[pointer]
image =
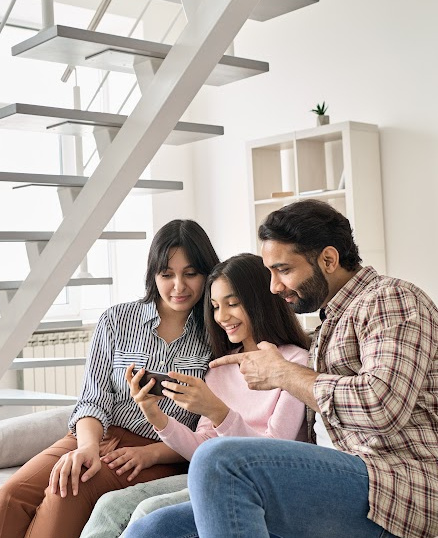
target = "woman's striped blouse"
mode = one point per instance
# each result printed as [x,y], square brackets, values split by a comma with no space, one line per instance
[127,333]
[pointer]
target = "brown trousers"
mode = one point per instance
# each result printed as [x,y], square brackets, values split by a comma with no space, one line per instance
[28,509]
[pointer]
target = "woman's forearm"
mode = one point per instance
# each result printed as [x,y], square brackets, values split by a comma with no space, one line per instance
[89,432]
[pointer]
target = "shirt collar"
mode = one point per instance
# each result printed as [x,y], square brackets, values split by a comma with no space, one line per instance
[342,300]
[150,313]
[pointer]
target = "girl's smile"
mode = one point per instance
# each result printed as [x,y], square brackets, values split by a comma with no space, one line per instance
[229,313]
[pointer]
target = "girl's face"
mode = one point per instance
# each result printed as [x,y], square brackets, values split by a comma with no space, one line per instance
[180,286]
[230,315]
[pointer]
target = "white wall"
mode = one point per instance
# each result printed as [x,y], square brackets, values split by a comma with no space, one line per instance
[373,61]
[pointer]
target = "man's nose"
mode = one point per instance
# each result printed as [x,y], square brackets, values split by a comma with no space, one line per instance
[276,285]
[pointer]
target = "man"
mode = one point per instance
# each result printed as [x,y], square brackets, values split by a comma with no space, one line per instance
[372,386]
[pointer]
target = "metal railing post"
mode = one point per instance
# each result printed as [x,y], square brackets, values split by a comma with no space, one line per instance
[6,15]
[100,12]
[48,17]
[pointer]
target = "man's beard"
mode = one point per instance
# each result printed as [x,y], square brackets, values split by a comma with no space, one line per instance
[312,293]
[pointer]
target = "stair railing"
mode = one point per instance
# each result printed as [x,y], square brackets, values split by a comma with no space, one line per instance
[47,13]
[7,14]
[130,92]
[184,70]
[100,12]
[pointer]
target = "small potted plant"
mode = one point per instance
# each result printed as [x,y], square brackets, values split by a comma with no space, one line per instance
[320,111]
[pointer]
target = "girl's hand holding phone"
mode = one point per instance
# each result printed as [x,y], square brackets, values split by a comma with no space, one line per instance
[195,396]
[147,402]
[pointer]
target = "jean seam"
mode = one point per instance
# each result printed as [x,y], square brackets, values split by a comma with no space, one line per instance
[299,465]
[233,514]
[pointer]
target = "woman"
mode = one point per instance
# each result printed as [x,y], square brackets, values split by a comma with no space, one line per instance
[110,444]
[240,312]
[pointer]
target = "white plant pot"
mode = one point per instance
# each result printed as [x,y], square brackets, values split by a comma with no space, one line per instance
[322,120]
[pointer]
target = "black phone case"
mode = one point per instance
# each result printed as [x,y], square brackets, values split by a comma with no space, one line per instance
[157,389]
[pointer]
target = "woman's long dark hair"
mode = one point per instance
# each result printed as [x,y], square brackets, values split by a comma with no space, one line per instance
[190,236]
[272,319]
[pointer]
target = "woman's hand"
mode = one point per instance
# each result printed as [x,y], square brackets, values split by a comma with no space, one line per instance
[89,432]
[195,396]
[131,458]
[70,465]
[148,403]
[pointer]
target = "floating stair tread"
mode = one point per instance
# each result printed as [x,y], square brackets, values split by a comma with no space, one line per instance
[20,236]
[269,9]
[46,362]
[28,397]
[75,46]
[27,117]
[104,281]
[149,186]
[61,325]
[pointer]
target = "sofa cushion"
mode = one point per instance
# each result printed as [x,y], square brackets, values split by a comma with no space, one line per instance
[23,437]
[5,474]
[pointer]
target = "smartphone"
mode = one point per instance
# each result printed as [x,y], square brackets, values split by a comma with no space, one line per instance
[157,389]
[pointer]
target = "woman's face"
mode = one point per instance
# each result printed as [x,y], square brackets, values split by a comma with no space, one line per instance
[230,315]
[180,286]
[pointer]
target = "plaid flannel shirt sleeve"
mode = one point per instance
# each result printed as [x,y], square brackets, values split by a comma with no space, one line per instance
[393,331]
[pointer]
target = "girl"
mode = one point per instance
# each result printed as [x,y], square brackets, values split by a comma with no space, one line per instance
[111,445]
[240,311]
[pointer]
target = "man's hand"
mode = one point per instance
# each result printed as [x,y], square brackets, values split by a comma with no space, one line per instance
[267,369]
[261,369]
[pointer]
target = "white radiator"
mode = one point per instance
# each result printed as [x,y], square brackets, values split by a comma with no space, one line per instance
[56,379]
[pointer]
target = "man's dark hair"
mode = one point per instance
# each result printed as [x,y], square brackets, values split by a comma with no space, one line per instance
[312,225]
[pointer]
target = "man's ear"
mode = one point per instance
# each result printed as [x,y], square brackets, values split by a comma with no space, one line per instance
[329,260]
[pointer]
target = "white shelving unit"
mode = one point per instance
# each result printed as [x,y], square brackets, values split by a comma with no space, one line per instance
[338,163]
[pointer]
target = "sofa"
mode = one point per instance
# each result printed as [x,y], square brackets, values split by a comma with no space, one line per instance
[23,437]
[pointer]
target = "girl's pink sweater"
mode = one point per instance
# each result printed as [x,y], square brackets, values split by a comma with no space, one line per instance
[253,413]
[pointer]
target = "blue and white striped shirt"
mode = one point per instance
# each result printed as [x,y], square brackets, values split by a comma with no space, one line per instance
[127,333]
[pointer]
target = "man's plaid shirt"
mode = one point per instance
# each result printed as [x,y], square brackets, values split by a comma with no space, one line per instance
[378,395]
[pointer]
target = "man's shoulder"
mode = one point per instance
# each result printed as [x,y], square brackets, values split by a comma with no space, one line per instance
[385,293]
[387,285]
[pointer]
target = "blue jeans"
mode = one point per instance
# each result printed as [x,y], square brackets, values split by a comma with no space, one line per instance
[260,488]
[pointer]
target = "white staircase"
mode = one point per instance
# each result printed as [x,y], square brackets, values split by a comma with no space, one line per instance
[74,46]
[149,186]
[169,77]
[67,121]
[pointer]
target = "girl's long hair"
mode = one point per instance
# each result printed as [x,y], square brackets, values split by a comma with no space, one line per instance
[272,319]
[190,236]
